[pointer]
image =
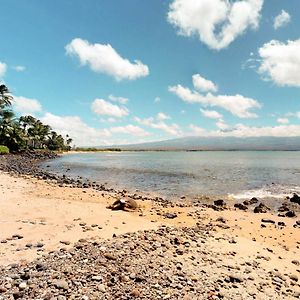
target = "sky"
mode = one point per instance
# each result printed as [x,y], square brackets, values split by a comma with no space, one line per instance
[120,72]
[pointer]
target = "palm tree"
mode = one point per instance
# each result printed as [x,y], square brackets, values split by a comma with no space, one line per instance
[5,97]
[10,133]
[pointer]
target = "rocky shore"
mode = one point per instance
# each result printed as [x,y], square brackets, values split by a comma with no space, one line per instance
[72,247]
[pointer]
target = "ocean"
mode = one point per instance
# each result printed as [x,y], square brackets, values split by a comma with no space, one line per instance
[172,174]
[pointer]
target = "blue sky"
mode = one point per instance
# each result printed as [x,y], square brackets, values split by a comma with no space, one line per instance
[113,72]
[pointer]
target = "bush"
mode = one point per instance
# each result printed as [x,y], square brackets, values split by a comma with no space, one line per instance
[4,150]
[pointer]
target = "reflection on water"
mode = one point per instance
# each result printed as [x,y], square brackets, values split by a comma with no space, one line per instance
[172,174]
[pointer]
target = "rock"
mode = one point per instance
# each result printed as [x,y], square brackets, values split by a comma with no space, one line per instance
[221,219]
[97,278]
[253,200]
[135,293]
[109,256]
[294,277]
[220,202]
[240,206]
[170,215]
[268,221]
[39,245]
[295,199]
[235,279]
[23,285]
[101,288]
[17,236]
[61,284]
[290,214]
[65,242]
[296,262]
[261,208]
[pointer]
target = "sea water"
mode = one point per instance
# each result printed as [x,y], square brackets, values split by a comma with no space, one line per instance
[171,174]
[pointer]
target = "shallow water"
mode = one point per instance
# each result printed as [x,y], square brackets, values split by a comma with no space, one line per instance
[241,174]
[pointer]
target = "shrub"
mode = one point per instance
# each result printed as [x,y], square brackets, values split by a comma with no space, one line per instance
[4,150]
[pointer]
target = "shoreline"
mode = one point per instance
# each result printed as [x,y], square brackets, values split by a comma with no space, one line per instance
[44,217]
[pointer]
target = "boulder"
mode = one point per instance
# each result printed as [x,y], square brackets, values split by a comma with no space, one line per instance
[220,202]
[295,199]
[240,206]
[261,208]
[290,214]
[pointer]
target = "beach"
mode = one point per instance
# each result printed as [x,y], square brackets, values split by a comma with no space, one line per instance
[161,250]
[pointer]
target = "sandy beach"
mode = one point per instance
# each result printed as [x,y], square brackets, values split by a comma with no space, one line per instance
[38,217]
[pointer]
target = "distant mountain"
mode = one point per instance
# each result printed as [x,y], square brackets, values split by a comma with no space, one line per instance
[220,143]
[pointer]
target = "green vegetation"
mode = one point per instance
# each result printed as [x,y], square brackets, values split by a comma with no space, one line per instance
[3,150]
[26,132]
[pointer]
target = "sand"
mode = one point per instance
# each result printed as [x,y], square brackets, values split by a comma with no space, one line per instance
[46,213]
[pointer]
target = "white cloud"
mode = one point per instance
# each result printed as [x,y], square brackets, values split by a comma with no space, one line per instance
[196,130]
[280,62]
[105,59]
[172,129]
[19,68]
[79,131]
[295,114]
[3,68]
[217,23]
[212,114]
[222,125]
[102,107]
[283,120]
[120,100]
[238,105]
[156,99]
[282,19]
[241,130]
[130,129]
[162,117]
[202,84]
[26,106]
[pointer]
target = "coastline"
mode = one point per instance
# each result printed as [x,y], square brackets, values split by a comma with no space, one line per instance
[45,216]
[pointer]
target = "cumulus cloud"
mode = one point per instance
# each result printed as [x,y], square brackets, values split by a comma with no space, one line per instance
[172,129]
[130,129]
[102,107]
[196,130]
[281,20]
[79,131]
[283,120]
[212,114]
[120,100]
[3,68]
[222,125]
[203,85]
[162,116]
[280,62]
[26,106]
[19,68]
[217,23]
[105,59]
[241,130]
[238,105]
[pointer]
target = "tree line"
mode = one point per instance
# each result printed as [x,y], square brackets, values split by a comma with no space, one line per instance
[26,132]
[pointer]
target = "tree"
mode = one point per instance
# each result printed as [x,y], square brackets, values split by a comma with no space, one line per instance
[10,132]
[5,96]
[27,131]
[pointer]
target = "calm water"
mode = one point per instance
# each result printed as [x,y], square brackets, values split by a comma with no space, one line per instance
[172,174]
